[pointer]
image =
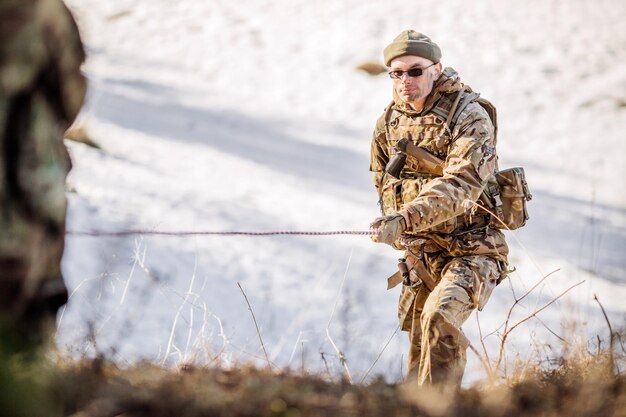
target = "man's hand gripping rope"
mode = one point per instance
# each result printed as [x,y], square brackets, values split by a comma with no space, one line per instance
[388,229]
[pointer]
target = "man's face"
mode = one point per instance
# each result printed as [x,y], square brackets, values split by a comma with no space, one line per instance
[414,89]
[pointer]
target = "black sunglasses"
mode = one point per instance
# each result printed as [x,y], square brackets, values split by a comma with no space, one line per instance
[413,72]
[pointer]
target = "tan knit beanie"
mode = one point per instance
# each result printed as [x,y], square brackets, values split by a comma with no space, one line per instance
[410,42]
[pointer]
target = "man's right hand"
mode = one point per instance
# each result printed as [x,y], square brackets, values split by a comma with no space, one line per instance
[388,229]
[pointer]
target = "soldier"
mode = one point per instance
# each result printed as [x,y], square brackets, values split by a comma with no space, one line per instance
[41,92]
[433,209]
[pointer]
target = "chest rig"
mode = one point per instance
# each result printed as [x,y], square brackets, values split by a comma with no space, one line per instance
[432,133]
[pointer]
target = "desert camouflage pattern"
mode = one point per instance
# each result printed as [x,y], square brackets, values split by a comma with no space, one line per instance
[41,92]
[512,192]
[388,229]
[437,352]
[456,257]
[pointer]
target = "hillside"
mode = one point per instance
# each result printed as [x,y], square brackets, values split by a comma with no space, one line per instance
[253,116]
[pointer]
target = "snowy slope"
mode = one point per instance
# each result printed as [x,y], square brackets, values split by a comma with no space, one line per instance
[251,116]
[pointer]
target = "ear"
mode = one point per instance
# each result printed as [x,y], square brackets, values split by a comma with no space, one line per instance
[438,69]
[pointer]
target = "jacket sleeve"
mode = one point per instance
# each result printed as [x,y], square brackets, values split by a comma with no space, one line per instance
[470,162]
[378,152]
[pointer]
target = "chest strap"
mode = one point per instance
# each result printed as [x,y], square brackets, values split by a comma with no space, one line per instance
[426,161]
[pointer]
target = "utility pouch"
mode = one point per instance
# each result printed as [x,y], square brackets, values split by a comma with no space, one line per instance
[419,272]
[508,196]
[403,275]
[412,271]
[404,271]
[398,160]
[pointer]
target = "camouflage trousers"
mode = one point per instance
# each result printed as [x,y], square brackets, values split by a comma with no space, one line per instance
[433,316]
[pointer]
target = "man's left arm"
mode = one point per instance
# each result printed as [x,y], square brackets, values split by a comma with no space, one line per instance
[470,162]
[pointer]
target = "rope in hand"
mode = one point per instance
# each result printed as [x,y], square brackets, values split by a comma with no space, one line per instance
[122,233]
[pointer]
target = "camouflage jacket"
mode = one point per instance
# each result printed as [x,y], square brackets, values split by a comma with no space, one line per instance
[41,92]
[444,210]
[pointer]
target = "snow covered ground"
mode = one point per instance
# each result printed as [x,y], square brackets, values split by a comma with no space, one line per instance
[252,116]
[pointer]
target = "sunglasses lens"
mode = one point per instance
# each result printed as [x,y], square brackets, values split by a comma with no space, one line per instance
[413,72]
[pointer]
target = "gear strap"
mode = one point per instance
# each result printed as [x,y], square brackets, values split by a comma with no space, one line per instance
[446,108]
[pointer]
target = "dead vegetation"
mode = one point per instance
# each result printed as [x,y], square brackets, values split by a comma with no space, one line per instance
[582,385]
[584,388]
[584,379]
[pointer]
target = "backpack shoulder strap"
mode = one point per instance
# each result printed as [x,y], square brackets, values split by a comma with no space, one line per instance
[484,103]
[460,102]
[450,109]
[448,105]
[445,105]
[388,113]
[491,111]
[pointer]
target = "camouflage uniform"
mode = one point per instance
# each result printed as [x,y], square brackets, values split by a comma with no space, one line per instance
[41,92]
[455,258]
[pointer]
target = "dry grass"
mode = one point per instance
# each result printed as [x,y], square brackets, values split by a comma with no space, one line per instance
[81,135]
[575,382]
[585,386]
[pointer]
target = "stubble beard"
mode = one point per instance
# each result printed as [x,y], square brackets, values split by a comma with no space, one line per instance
[412,98]
[420,94]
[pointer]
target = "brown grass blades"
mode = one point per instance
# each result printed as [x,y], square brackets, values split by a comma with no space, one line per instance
[492,370]
[582,388]
[258,331]
[508,331]
[611,333]
[340,354]
[380,354]
[484,360]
